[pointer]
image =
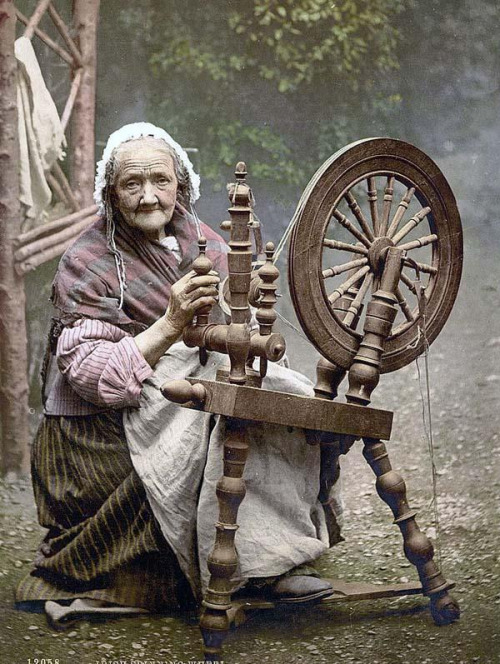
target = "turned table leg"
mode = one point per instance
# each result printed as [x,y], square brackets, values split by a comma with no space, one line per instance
[417,546]
[223,560]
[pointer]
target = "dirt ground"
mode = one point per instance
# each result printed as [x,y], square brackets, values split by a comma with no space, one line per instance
[465,386]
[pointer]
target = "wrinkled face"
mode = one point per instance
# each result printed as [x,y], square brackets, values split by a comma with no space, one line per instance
[145,185]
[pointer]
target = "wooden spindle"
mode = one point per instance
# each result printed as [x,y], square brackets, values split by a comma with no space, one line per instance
[420,242]
[345,246]
[386,207]
[266,315]
[345,267]
[413,223]
[202,266]
[343,288]
[268,273]
[357,212]
[344,221]
[372,200]
[402,207]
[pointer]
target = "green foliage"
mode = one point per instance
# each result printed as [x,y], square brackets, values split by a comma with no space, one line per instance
[279,83]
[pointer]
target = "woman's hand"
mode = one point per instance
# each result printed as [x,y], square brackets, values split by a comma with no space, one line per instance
[188,295]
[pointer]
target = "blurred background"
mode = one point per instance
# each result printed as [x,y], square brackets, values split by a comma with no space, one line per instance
[283,85]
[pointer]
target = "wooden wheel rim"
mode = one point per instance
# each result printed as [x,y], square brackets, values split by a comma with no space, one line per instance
[376,156]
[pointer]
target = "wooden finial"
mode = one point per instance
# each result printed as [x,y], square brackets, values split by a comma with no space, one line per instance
[240,172]
[266,315]
[268,274]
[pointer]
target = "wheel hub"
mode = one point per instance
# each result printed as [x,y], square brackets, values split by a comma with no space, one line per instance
[376,254]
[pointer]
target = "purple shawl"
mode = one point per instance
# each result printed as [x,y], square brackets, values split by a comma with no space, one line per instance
[86,284]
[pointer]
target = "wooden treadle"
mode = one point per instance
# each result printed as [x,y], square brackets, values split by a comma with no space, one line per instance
[343,592]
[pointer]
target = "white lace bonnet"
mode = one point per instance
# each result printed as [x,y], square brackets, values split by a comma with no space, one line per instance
[138,130]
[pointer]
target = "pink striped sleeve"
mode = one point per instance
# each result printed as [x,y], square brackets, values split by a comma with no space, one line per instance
[102,363]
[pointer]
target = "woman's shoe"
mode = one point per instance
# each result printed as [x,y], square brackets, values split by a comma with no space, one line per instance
[299,589]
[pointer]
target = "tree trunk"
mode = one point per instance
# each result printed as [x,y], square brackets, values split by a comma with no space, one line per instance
[85,19]
[13,350]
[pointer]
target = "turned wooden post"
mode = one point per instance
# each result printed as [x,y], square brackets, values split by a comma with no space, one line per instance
[328,375]
[418,548]
[266,315]
[240,268]
[223,560]
[364,375]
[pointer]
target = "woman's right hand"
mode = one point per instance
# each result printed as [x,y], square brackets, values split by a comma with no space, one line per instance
[188,295]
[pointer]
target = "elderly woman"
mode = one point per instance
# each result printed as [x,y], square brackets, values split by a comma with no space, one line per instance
[124,293]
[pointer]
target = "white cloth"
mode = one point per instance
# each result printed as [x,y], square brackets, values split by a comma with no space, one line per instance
[178,456]
[41,136]
[170,241]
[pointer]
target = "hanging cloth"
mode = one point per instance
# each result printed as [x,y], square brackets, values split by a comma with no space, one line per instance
[41,135]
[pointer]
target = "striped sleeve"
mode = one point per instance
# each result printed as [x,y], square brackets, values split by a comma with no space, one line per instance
[102,363]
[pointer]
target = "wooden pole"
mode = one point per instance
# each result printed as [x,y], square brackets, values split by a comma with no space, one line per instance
[13,350]
[75,85]
[85,19]
[37,246]
[50,227]
[45,38]
[36,17]
[64,32]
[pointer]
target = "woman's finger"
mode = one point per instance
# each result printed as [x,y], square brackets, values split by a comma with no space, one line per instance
[204,302]
[201,281]
[204,291]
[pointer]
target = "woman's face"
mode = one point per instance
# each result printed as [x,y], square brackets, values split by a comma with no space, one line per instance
[145,185]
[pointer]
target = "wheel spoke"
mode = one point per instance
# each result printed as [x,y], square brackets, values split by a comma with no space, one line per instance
[343,288]
[345,246]
[345,267]
[421,267]
[358,213]
[353,310]
[386,209]
[402,207]
[413,223]
[421,242]
[404,305]
[372,199]
[343,221]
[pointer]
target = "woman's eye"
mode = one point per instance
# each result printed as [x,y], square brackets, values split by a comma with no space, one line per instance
[162,181]
[132,185]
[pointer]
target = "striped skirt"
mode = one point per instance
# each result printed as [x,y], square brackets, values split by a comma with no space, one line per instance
[103,541]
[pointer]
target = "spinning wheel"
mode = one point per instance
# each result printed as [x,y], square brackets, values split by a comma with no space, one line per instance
[372,195]
[374,268]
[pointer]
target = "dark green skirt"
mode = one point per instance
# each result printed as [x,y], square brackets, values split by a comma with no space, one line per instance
[103,541]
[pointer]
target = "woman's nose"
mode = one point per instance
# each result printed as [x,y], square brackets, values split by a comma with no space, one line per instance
[148,194]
